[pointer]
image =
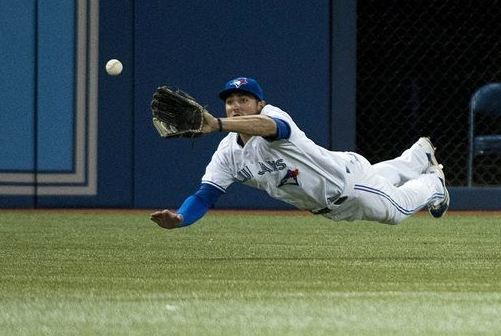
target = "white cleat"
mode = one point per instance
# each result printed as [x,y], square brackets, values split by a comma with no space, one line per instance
[439,209]
[425,143]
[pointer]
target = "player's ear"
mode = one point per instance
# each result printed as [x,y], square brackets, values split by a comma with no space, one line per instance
[260,105]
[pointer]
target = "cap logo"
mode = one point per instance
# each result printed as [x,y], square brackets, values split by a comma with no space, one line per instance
[239,82]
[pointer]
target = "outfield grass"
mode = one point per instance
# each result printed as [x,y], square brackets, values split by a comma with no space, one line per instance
[105,273]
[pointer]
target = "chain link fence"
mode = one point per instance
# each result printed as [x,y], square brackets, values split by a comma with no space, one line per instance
[418,64]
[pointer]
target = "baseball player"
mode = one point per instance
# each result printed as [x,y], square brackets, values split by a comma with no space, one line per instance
[265,149]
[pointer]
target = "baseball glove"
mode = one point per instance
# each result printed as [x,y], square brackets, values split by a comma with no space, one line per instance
[176,113]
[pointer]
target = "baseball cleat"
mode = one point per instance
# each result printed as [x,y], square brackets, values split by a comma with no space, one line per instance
[439,209]
[425,143]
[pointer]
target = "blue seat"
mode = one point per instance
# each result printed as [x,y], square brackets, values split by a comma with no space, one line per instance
[485,106]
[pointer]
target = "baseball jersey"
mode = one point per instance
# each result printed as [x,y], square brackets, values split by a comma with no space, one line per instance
[293,170]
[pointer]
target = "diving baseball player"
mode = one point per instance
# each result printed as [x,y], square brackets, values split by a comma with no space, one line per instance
[265,149]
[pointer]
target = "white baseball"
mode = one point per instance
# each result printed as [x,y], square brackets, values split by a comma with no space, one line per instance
[114,67]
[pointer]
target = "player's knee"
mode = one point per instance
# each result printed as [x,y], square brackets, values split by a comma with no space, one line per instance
[399,219]
[395,220]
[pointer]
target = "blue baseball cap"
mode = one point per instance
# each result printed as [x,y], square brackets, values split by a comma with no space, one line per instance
[243,84]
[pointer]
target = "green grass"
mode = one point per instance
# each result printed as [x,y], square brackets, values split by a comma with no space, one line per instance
[102,273]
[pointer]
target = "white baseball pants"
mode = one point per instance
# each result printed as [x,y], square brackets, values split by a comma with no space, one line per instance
[389,191]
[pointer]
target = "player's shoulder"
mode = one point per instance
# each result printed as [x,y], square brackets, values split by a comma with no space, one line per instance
[276,112]
[227,142]
[271,110]
[225,153]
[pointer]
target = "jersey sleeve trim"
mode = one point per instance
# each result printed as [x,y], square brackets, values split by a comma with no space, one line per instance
[214,185]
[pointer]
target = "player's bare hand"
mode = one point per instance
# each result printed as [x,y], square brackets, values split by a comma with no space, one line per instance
[166,219]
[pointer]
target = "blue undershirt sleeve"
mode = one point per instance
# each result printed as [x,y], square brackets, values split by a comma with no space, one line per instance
[196,206]
[283,130]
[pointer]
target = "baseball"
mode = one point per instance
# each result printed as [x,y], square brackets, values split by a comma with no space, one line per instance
[114,67]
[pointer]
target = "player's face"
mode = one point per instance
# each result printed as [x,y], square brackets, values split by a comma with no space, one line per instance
[241,104]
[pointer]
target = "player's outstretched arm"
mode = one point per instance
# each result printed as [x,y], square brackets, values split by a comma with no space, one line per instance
[257,124]
[192,209]
[167,219]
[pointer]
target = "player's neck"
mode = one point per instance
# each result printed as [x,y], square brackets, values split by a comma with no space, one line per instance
[242,139]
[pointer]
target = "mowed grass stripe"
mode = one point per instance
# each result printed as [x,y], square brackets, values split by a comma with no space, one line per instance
[117,273]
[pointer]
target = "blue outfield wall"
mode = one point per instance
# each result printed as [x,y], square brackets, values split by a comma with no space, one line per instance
[62,144]
[87,137]
[283,44]
[17,88]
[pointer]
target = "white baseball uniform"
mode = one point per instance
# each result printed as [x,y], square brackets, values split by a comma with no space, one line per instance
[338,185]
